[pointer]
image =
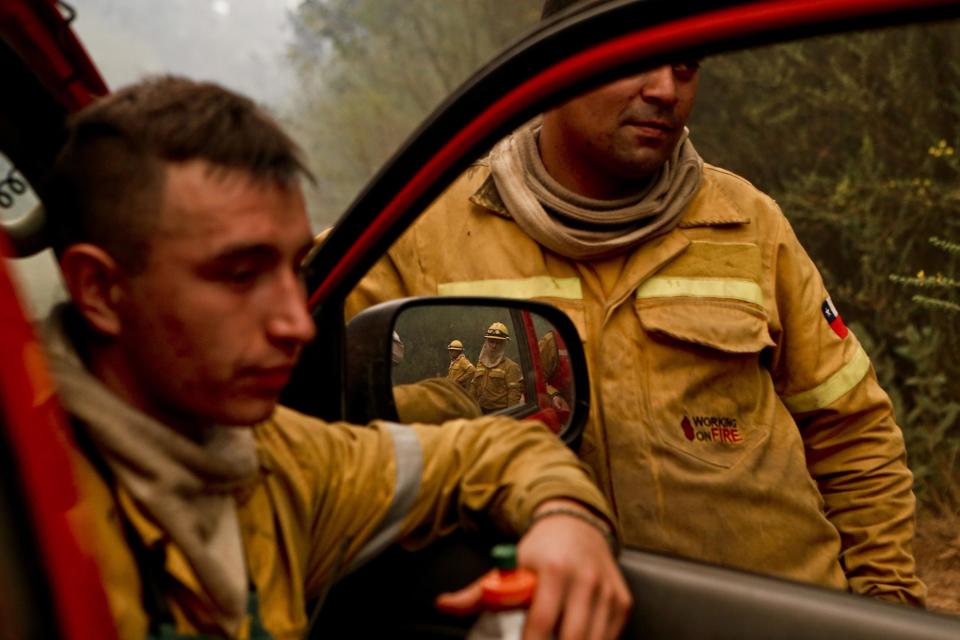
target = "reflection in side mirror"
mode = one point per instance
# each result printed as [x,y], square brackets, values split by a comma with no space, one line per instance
[444,358]
[490,359]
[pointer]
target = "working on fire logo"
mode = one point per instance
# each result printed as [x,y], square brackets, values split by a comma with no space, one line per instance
[711,429]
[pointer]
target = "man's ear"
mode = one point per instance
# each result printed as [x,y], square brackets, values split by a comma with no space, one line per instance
[94,281]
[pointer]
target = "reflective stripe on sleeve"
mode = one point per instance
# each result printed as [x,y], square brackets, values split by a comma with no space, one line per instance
[833,388]
[736,289]
[521,288]
[409,463]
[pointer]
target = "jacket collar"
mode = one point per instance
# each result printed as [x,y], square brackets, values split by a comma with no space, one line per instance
[712,206]
[488,197]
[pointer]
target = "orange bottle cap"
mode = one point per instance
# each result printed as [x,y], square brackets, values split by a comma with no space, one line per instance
[507,587]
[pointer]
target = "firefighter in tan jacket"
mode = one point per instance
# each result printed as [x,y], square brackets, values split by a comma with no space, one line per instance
[323,499]
[734,418]
[208,509]
[461,370]
[498,381]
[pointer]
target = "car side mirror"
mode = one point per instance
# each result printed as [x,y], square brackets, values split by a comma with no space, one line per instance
[434,359]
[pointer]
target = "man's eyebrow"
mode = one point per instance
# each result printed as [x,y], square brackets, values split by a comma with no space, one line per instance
[244,252]
[255,251]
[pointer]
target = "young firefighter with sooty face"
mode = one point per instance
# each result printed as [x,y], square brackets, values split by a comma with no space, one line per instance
[181,229]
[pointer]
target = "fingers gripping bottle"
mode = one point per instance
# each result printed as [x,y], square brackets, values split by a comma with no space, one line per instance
[507,593]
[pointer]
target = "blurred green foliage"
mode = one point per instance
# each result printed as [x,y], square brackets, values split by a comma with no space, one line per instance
[856,136]
[939,283]
[371,70]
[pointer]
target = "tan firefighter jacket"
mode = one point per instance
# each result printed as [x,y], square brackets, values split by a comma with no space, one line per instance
[329,496]
[461,371]
[497,387]
[730,421]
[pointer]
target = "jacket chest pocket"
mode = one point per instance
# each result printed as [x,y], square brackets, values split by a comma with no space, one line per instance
[707,390]
[490,380]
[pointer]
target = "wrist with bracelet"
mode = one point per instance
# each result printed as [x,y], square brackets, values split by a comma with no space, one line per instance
[583,516]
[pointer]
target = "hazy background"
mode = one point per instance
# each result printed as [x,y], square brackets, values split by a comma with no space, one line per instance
[350,78]
[856,136]
[240,43]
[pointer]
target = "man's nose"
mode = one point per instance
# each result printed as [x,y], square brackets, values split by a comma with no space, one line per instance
[290,319]
[660,85]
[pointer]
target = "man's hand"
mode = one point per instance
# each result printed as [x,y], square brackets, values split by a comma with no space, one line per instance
[580,592]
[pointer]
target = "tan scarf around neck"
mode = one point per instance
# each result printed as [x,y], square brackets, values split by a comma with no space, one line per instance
[583,228]
[491,357]
[186,487]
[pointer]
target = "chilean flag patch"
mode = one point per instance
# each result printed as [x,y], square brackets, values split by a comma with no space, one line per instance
[833,318]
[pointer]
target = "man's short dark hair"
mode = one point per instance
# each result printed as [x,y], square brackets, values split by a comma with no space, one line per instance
[107,183]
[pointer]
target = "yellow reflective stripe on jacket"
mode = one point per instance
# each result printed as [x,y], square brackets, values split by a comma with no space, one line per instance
[736,289]
[522,288]
[833,388]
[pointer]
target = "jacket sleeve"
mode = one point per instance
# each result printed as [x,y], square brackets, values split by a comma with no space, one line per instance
[514,385]
[386,280]
[464,375]
[364,488]
[492,471]
[434,401]
[855,450]
[473,388]
[398,274]
[415,262]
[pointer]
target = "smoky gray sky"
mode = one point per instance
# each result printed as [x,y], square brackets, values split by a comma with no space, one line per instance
[238,43]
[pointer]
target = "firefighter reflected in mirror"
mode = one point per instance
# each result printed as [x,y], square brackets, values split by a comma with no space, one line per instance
[555,362]
[498,380]
[461,370]
[431,401]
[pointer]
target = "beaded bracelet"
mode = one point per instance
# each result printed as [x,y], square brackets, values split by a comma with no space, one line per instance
[583,516]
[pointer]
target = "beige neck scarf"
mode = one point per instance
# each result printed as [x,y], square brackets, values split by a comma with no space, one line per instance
[583,228]
[490,357]
[185,486]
